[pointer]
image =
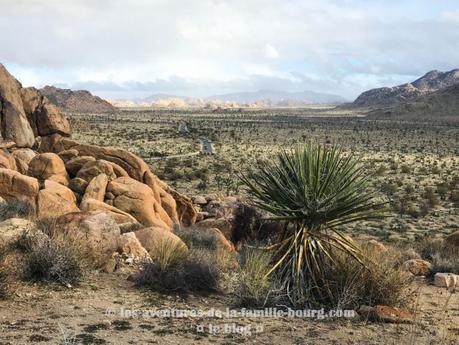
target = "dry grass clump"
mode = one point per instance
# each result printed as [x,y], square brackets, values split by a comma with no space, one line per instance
[4,277]
[174,268]
[253,286]
[379,281]
[16,209]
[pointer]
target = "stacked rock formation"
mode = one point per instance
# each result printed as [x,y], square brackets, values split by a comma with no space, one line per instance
[41,164]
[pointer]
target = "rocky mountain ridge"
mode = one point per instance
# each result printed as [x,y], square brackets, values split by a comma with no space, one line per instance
[388,96]
[80,101]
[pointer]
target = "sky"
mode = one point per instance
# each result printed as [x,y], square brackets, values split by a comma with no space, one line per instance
[123,49]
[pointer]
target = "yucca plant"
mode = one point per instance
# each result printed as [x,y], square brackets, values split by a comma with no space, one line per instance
[314,190]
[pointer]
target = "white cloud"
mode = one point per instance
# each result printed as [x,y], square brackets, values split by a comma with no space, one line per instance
[271,52]
[214,42]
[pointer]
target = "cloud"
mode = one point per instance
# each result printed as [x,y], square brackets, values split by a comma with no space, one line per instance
[344,45]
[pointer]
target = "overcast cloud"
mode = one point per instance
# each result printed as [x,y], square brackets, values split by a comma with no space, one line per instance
[120,48]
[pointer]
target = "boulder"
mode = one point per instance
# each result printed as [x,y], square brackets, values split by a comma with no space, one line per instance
[94,168]
[14,185]
[138,200]
[446,280]
[7,161]
[453,239]
[199,200]
[132,164]
[119,216]
[55,200]
[48,166]
[96,188]
[153,237]
[417,267]
[14,123]
[222,241]
[382,313]
[129,245]
[75,164]
[23,158]
[186,213]
[225,225]
[68,155]
[78,185]
[96,232]
[44,118]
[135,167]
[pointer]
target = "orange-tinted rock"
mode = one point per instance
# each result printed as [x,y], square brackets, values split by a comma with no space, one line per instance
[23,158]
[223,224]
[119,216]
[93,169]
[14,185]
[48,166]
[68,155]
[382,313]
[44,118]
[153,237]
[138,200]
[55,200]
[129,245]
[96,232]
[75,164]
[14,123]
[96,188]
[7,161]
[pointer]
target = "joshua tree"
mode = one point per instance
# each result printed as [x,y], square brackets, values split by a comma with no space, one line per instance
[313,190]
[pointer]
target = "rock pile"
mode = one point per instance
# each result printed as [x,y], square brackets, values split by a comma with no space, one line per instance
[57,176]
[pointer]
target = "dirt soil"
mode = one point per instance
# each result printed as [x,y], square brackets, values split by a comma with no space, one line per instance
[97,312]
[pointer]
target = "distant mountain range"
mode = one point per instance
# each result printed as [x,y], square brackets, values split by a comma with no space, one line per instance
[261,98]
[80,101]
[279,98]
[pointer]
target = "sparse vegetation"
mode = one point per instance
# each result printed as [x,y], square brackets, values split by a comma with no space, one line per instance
[16,209]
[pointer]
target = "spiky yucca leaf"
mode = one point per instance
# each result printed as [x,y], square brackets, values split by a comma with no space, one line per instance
[313,189]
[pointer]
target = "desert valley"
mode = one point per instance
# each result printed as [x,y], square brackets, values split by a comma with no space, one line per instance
[265,216]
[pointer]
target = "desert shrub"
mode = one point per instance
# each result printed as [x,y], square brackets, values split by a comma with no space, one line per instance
[246,223]
[378,281]
[16,209]
[430,196]
[199,270]
[4,278]
[405,169]
[253,280]
[197,239]
[315,189]
[444,258]
[52,259]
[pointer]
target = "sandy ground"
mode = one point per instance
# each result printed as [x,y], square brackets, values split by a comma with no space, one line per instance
[97,313]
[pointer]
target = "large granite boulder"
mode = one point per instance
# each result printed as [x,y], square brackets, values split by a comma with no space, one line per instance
[96,232]
[14,123]
[48,166]
[138,200]
[14,185]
